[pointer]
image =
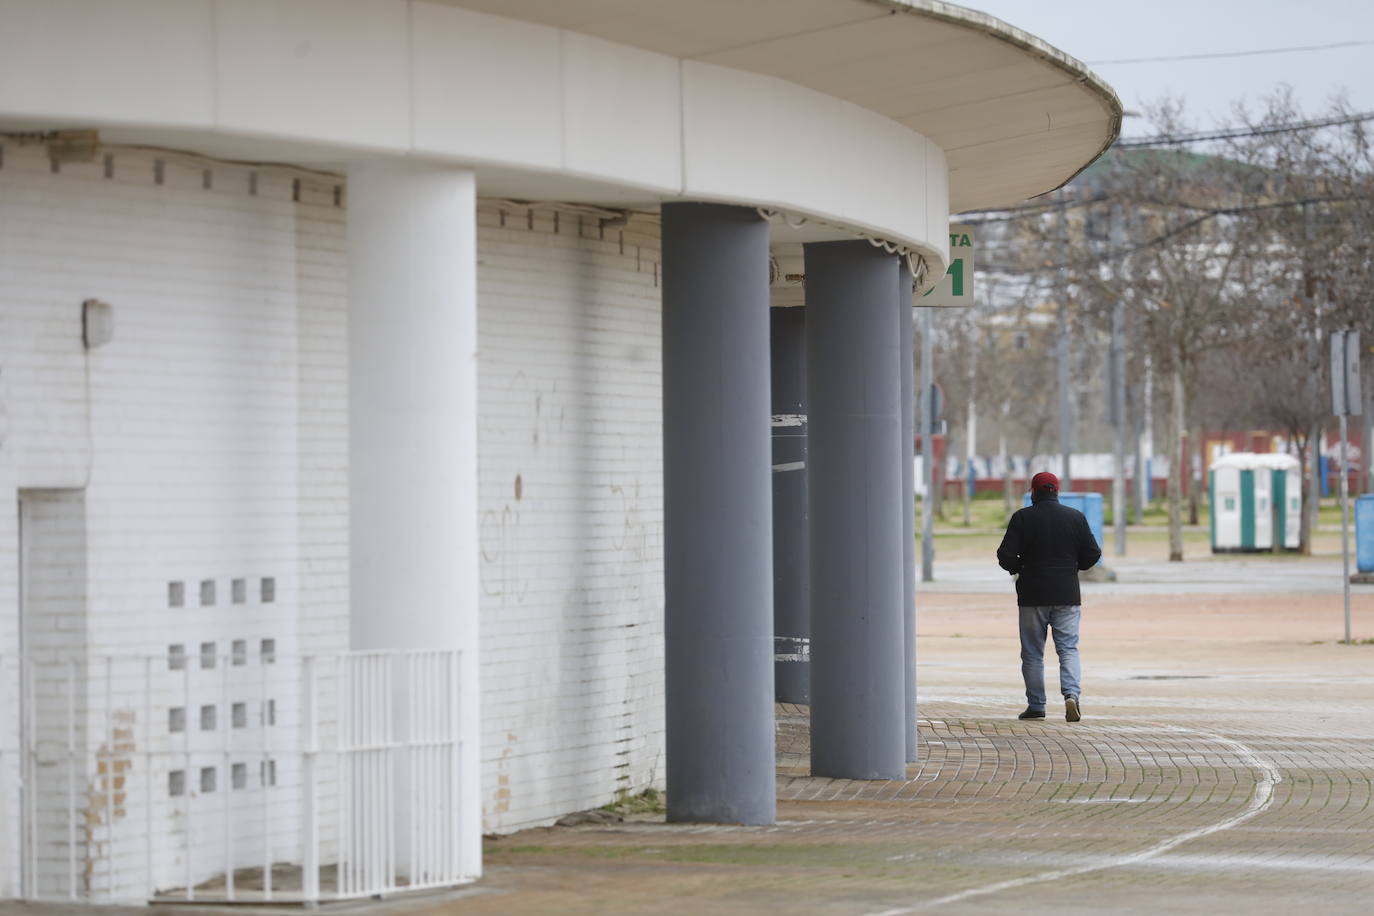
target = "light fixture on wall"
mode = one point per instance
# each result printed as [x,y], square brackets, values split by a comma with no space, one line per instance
[97,323]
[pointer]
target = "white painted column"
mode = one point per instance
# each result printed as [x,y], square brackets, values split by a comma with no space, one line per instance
[412,261]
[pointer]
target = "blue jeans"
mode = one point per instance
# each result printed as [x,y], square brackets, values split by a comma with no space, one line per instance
[1063,620]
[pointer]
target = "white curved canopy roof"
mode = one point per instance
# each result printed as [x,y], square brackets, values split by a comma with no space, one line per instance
[1014,116]
[875,118]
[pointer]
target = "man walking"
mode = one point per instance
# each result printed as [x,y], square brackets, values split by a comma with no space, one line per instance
[1045,546]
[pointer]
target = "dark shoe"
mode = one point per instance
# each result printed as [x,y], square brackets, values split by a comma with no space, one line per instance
[1032,713]
[1071,709]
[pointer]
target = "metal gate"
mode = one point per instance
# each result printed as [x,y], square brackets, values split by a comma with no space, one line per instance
[239,777]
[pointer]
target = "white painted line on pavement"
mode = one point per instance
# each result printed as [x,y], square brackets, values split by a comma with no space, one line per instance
[1260,799]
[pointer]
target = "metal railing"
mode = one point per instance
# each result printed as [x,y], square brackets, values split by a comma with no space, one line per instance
[229,777]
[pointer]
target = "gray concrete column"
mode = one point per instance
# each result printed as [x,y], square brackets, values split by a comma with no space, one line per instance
[717,515]
[791,574]
[855,489]
[905,340]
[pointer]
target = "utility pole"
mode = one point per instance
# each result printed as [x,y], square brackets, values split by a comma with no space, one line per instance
[1065,354]
[1177,460]
[1065,401]
[1345,401]
[1118,396]
[971,447]
[1008,496]
[1137,465]
[1315,439]
[1345,531]
[1144,445]
[927,447]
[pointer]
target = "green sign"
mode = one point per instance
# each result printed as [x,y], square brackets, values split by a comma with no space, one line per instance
[955,289]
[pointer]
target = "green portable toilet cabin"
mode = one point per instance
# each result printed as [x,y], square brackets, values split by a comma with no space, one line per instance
[1253,497]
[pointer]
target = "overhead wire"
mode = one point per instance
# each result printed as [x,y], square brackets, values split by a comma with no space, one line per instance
[1042,205]
[1222,55]
[1241,132]
[1209,214]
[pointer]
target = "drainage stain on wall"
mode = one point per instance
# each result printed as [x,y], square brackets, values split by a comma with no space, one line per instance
[503,794]
[107,794]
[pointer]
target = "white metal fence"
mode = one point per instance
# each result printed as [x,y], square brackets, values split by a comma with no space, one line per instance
[229,777]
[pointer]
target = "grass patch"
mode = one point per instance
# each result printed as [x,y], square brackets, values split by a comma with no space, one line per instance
[650,801]
[988,511]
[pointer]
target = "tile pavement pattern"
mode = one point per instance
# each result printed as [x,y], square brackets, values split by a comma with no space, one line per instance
[999,815]
[1223,766]
[1108,815]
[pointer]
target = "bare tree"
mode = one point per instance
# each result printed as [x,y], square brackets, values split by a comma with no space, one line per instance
[1237,254]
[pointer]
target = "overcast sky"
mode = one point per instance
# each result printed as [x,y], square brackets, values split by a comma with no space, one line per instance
[1113,29]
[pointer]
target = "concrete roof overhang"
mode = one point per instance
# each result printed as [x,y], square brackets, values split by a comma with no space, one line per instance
[1015,116]
[869,118]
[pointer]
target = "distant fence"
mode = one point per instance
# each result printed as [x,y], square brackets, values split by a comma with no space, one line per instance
[1090,471]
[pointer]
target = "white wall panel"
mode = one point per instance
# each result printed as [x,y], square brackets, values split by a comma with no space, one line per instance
[219,423]
[760,137]
[77,59]
[882,169]
[197,422]
[937,197]
[577,115]
[323,70]
[621,113]
[487,85]
[11,804]
[572,515]
[765,139]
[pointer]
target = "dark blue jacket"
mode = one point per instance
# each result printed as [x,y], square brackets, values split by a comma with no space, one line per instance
[1046,544]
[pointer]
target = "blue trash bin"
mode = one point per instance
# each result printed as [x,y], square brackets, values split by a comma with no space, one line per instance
[1364,533]
[1090,504]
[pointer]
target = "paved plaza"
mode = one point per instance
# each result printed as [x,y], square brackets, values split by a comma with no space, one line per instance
[1225,764]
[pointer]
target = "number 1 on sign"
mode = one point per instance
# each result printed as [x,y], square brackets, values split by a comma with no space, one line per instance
[956,276]
[955,288]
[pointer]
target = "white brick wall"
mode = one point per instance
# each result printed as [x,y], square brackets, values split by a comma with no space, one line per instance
[9,679]
[53,561]
[190,434]
[571,475]
[210,438]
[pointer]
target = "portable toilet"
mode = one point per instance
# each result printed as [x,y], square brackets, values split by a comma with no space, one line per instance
[1364,533]
[1255,497]
[1286,494]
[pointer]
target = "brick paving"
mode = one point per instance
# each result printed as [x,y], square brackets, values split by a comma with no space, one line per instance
[1225,764]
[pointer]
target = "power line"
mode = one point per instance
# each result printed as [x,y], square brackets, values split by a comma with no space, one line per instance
[1239,132]
[1206,214]
[1220,55]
